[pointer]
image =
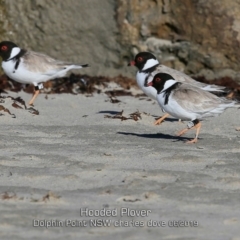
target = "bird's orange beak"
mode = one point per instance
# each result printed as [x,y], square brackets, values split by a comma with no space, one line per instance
[132,63]
[150,84]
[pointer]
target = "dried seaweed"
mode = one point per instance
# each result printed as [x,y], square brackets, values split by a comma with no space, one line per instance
[75,83]
[134,116]
[119,115]
[33,111]
[15,105]
[114,100]
[2,99]
[114,93]
[50,196]
[18,103]
[8,196]
[131,200]
[2,108]
[21,101]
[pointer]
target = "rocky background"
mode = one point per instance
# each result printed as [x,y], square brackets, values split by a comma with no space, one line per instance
[199,37]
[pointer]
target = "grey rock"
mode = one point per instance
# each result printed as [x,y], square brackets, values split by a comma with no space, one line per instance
[192,36]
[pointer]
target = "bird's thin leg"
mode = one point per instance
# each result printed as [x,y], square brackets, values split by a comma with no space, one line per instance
[160,120]
[230,95]
[180,133]
[194,124]
[198,127]
[36,92]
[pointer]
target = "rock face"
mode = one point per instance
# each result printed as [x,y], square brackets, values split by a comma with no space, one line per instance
[199,37]
[78,31]
[196,36]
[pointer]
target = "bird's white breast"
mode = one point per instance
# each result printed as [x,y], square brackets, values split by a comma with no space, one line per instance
[149,91]
[173,107]
[21,74]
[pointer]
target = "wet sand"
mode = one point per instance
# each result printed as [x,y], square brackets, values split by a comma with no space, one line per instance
[70,158]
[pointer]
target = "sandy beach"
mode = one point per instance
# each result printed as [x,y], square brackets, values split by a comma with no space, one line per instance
[146,182]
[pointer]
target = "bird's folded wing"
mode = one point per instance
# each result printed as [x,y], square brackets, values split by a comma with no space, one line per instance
[182,77]
[194,99]
[42,63]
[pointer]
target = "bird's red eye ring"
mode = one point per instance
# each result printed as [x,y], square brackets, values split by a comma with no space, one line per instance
[4,48]
[157,79]
[140,59]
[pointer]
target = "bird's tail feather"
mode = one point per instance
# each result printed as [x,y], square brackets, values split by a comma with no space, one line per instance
[214,88]
[79,66]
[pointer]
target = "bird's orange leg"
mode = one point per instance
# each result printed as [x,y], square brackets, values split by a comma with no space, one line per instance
[34,97]
[180,133]
[160,120]
[230,95]
[198,127]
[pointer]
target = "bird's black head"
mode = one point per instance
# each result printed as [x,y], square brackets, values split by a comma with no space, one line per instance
[159,81]
[142,58]
[6,49]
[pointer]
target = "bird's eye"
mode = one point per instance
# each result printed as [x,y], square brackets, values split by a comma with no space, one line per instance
[157,79]
[4,48]
[140,59]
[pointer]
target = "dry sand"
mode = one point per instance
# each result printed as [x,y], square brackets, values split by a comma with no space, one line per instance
[70,157]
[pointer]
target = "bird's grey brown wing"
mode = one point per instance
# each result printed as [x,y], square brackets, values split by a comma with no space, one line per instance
[194,99]
[177,75]
[38,62]
[184,78]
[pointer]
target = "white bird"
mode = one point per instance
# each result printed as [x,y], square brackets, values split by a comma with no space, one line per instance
[148,66]
[187,102]
[26,66]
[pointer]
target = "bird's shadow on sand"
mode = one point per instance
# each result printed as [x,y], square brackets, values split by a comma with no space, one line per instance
[154,116]
[157,136]
[109,112]
[166,119]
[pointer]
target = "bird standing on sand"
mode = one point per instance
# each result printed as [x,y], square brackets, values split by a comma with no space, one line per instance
[187,102]
[148,66]
[26,66]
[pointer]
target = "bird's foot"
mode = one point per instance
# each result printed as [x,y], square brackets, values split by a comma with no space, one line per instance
[192,141]
[161,119]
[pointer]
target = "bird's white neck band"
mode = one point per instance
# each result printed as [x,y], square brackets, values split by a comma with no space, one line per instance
[168,84]
[150,63]
[15,51]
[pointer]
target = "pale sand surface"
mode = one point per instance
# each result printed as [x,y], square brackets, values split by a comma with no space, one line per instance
[95,162]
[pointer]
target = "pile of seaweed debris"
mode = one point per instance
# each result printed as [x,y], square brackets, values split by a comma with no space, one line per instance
[84,84]
[74,84]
